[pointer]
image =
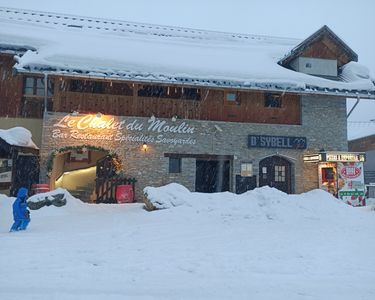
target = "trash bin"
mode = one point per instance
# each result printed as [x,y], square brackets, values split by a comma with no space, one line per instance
[124,193]
[38,188]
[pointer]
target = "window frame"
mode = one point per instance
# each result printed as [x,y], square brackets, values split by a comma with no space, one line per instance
[36,85]
[174,168]
[246,169]
[236,94]
[275,102]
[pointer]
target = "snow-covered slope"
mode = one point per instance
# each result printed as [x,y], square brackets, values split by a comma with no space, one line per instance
[263,244]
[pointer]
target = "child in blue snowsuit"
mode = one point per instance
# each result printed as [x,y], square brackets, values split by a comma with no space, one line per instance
[21,214]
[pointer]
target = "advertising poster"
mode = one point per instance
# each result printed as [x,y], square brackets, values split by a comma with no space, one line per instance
[351,184]
[328,177]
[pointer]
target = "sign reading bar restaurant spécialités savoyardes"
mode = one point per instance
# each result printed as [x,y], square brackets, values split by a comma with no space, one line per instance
[270,141]
[122,130]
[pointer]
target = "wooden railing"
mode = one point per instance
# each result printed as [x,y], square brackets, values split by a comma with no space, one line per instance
[106,188]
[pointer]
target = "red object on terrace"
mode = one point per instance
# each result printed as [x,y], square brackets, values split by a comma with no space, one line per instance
[124,193]
[38,188]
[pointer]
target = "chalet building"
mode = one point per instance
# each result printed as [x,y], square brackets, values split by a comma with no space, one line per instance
[111,102]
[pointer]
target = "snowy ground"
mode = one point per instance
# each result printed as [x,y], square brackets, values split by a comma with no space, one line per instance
[259,245]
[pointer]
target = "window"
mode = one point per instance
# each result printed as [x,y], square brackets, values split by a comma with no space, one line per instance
[85,86]
[34,86]
[190,94]
[174,165]
[232,97]
[101,87]
[246,169]
[280,173]
[272,100]
[169,92]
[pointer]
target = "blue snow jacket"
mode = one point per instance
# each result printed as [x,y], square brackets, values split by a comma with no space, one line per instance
[20,206]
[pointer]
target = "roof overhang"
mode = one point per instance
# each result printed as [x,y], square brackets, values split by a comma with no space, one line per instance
[202,83]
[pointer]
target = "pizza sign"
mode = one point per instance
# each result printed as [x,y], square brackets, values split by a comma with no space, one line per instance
[350,172]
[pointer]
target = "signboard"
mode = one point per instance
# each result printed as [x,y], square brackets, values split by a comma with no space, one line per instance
[351,184]
[343,156]
[313,158]
[5,170]
[283,142]
[104,128]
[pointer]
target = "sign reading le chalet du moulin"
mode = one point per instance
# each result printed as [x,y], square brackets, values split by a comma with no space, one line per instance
[270,141]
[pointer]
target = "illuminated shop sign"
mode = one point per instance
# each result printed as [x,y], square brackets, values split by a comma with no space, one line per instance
[343,156]
[117,129]
[312,158]
[283,142]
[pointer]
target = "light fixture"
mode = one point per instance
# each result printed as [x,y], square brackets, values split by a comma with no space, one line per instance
[74,113]
[174,118]
[144,147]
[152,118]
[99,115]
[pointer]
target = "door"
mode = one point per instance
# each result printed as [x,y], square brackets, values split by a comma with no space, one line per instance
[275,171]
[26,172]
[212,176]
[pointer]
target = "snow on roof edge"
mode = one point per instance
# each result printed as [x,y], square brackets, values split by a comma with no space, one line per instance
[281,86]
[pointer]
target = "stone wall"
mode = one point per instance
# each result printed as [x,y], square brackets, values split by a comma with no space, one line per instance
[323,124]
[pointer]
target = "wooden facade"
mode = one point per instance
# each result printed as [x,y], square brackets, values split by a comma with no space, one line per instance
[10,88]
[212,105]
[130,99]
[328,49]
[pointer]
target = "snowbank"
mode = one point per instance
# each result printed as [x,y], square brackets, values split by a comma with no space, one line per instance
[262,245]
[18,136]
[263,204]
[167,196]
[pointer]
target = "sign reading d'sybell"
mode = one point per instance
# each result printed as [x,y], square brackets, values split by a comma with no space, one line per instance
[270,141]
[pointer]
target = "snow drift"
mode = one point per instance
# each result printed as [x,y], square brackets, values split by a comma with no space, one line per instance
[262,245]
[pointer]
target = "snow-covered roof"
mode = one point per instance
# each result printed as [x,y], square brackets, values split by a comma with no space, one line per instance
[18,136]
[83,46]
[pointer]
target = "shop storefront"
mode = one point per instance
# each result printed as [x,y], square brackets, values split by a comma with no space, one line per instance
[341,174]
[77,149]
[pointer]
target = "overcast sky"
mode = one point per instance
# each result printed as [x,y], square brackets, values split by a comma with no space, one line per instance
[352,21]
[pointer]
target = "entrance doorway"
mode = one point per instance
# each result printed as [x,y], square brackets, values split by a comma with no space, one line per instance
[275,171]
[212,175]
[76,170]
